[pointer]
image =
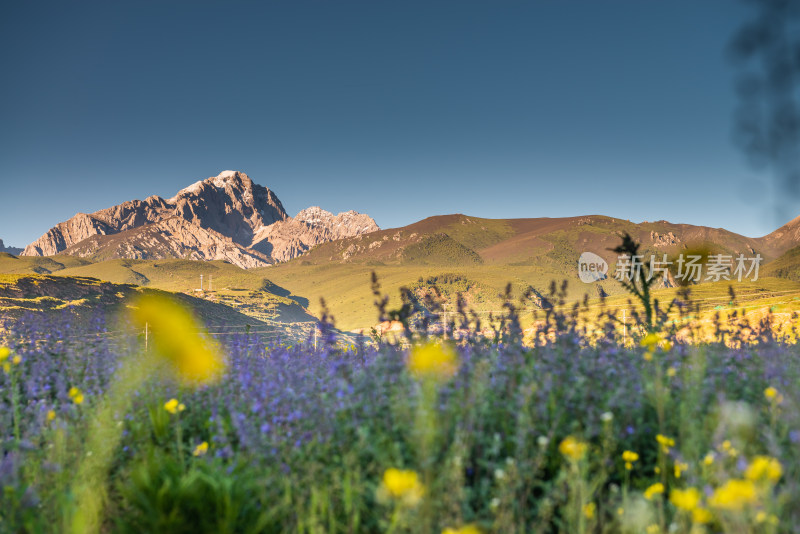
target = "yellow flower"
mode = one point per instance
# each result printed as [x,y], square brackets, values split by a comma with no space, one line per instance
[76,395]
[173,406]
[734,495]
[728,448]
[201,449]
[671,372]
[573,448]
[652,491]
[403,485]
[432,360]
[666,442]
[687,499]
[653,529]
[17,359]
[648,356]
[762,517]
[51,415]
[773,395]
[680,467]
[630,457]
[709,458]
[467,529]
[650,341]
[5,352]
[701,516]
[175,335]
[764,468]
[589,509]
[620,511]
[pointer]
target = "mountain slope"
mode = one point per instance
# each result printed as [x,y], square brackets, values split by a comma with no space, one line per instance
[553,242]
[292,237]
[84,297]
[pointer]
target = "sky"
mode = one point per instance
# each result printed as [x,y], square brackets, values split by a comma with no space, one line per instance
[401,110]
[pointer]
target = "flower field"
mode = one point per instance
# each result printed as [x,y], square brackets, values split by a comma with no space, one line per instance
[235,434]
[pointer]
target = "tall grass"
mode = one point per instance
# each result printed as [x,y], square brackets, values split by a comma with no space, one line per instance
[569,431]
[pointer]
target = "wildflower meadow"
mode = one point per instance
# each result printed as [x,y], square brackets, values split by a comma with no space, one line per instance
[573,429]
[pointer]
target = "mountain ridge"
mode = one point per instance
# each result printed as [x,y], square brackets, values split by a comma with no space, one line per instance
[225,217]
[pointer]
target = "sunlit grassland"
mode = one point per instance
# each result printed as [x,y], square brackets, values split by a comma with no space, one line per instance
[491,436]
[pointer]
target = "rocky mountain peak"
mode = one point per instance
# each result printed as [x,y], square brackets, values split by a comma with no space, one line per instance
[229,206]
[313,216]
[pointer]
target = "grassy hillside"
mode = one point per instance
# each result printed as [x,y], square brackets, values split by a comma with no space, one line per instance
[786,266]
[487,253]
[85,296]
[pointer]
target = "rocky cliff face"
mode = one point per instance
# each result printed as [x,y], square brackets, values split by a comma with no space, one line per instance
[290,238]
[227,216]
[171,238]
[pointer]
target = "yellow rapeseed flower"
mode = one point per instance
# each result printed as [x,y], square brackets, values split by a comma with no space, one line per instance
[652,491]
[433,360]
[709,458]
[630,457]
[687,499]
[652,529]
[589,509]
[671,372]
[51,415]
[173,406]
[466,529]
[17,359]
[734,495]
[201,449]
[771,393]
[403,485]
[76,395]
[573,448]
[764,468]
[5,352]
[176,337]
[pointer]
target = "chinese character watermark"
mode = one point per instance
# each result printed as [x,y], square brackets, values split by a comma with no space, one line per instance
[689,268]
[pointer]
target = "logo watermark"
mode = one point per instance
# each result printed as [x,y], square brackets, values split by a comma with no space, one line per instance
[689,268]
[592,268]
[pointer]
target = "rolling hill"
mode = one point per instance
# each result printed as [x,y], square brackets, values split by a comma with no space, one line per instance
[458,253]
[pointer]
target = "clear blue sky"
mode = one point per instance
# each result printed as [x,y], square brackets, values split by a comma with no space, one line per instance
[397,109]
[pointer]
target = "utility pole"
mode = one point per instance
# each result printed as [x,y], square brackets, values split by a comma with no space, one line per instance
[146,325]
[210,282]
[201,282]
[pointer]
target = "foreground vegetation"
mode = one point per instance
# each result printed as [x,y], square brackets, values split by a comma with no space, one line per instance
[575,433]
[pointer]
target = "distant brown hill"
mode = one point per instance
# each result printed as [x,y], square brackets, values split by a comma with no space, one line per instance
[454,239]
